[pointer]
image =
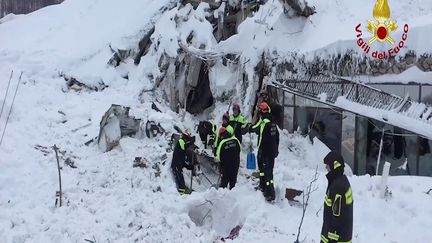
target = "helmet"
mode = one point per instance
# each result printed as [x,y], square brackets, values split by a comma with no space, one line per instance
[236,107]
[334,160]
[222,130]
[225,116]
[264,108]
[186,135]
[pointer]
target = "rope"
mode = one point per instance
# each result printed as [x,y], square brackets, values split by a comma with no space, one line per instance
[10,110]
[5,96]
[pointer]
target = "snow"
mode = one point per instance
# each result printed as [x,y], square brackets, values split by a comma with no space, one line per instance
[413,74]
[389,116]
[106,199]
[333,27]
[10,17]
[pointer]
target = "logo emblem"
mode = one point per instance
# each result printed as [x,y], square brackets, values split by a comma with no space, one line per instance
[383,26]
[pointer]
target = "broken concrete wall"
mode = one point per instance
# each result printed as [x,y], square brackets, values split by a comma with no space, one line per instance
[200,96]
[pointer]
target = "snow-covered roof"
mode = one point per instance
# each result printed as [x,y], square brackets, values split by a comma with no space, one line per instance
[411,75]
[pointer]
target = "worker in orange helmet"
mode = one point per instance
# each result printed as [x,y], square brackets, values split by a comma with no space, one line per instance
[268,149]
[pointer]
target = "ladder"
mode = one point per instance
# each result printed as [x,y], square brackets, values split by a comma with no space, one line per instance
[360,99]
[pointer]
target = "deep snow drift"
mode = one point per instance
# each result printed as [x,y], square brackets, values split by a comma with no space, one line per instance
[107,200]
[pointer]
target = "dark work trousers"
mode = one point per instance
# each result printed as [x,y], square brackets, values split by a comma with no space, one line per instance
[229,174]
[268,165]
[179,179]
[261,171]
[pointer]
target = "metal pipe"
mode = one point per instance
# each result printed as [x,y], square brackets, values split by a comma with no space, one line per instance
[379,153]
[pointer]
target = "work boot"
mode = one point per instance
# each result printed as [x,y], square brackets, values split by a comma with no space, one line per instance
[255,174]
[188,191]
[261,183]
[270,193]
[185,190]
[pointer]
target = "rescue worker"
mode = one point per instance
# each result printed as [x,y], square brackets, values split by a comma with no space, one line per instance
[182,158]
[225,123]
[238,122]
[268,145]
[275,108]
[207,132]
[338,202]
[228,153]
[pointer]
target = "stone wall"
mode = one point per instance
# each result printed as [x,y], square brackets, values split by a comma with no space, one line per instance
[23,6]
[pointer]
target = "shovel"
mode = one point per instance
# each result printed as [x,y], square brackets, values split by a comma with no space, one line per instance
[251,159]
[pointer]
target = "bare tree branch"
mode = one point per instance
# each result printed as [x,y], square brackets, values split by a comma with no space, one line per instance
[306,197]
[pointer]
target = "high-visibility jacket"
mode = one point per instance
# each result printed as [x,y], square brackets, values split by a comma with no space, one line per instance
[338,210]
[229,128]
[181,155]
[239,123]
[212,137]
[228,150]
[268,137]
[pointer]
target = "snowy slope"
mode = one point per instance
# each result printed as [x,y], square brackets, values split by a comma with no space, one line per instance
[109,201]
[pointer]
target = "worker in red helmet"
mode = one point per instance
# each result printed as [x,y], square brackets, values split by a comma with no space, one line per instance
[228,153]
[268,144]
[238,122]
[225,124]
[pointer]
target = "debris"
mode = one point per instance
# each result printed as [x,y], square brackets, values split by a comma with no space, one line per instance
[430,190]
[91,241]
[76,85]
[70,163]
[90,141]
[156,167]
[154,107]
[58,193]
[158,189]
[115,124]
[119,56]
[233,234]
[43,149]
[297,8]
[153,129]
[81,127]
[140,162]
[291,194]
